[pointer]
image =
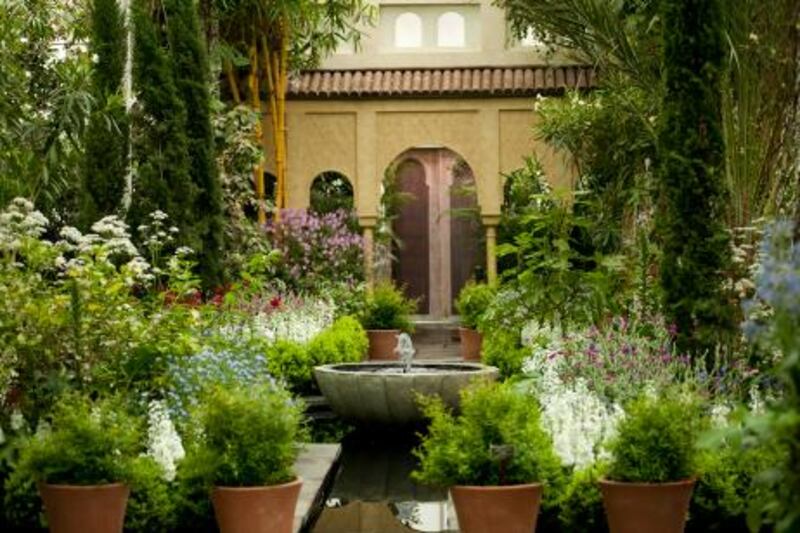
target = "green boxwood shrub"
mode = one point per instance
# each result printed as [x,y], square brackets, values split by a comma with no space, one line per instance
[657,440]
[345,341]
[580,506]
[730,486]
[503,349]
[472,302]
[465,449]
[250,435]
[386,307]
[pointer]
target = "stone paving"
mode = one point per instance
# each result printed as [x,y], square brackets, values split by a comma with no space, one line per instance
[316,466]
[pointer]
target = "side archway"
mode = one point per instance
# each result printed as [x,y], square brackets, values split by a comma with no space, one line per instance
[331,191]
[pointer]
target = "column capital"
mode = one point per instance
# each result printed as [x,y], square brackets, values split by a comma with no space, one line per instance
[490,220]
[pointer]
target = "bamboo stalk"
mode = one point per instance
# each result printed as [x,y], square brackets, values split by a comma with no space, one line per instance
[255,102]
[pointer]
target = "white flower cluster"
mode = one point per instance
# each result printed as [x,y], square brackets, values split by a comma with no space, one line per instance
[577,419]
[164,444]
[19,220]
[298,324]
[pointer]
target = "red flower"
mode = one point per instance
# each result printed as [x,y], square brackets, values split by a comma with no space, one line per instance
[275,302]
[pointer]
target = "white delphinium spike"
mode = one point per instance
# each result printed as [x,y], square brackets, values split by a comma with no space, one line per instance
[164,444]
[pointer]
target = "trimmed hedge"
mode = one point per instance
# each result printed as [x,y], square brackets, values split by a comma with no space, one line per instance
[344,342]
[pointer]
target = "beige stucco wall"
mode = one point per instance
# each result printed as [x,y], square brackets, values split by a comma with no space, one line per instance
[361,138]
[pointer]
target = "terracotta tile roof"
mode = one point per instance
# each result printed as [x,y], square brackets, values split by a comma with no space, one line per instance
[463,82]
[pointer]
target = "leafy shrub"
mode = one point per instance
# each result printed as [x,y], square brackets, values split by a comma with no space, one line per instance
[730,486]
[290,362]
[502,348]
[343,342]
[497,440]
[472,302]
[656,441]
[152,503]
[580,507]
[89,444]
[250,435]
[386,307]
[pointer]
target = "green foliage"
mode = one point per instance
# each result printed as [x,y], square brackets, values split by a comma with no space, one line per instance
[345,341]
[557,277]
[160,143]
[581,503]
[503,349]
[657,439]
[386,307]
[106,157]
[191,74]
[152,502]
[691,175]
[251,435]
[46,101]
[472,302]
[496,440]
[730,488]
[89,443]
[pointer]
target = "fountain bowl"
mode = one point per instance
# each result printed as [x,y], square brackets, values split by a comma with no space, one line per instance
[382,393]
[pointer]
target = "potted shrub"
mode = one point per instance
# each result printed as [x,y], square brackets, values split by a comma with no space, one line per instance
[385,314]
[651,474]
[494,457]
[472,302]
[81,463]
[249,444]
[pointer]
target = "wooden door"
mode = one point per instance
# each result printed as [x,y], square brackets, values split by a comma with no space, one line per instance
[411,269]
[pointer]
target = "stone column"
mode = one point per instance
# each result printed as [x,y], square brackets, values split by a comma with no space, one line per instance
[368,228]
[490,224]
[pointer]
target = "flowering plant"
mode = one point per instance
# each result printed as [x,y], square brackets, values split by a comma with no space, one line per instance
[317,249]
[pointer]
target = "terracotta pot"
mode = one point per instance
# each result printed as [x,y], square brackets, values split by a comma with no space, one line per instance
[382,343]
[268,509]
[650,507]
[510,509]
[471,342]
[85,508]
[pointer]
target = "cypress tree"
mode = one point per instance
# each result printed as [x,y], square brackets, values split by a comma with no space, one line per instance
[106,138]
[160,140]
[191,73]
[693,194]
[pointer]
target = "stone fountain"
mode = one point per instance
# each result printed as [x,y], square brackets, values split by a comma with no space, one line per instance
[386,393]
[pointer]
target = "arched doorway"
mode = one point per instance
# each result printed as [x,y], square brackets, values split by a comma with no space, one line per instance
[437,227]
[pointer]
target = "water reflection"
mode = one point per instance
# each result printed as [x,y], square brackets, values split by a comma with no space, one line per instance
[373,491]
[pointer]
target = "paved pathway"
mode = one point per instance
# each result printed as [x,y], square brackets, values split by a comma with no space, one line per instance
[316,466]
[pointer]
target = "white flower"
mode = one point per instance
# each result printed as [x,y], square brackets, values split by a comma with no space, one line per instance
[163,442]
[719,414]
[17,421]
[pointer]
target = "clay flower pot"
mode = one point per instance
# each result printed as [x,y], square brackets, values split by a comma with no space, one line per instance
[651,507]
[85,508]
[471,341]
[268,509]
[509,508]
[382,343]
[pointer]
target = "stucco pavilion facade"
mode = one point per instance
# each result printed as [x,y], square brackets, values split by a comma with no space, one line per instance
[433,82]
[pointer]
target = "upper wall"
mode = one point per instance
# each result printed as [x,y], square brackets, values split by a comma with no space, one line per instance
[397,41]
